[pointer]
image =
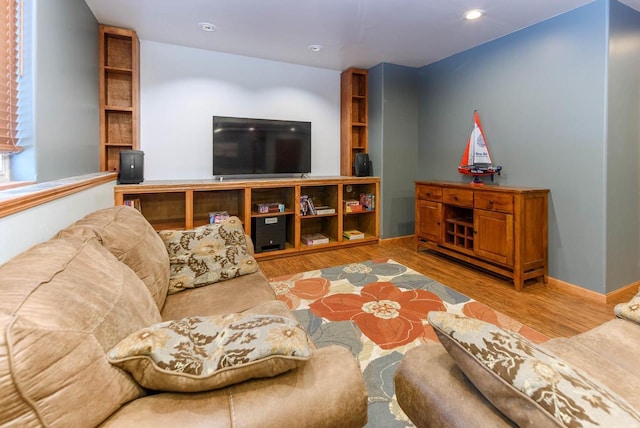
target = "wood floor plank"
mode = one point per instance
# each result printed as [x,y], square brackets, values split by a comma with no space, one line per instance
[552,310]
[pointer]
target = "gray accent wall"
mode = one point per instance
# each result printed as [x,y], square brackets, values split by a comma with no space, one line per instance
[62,86]
[541,95]
[393,143]
[623,148]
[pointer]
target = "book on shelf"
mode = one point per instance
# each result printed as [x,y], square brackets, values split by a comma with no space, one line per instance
[306,206]
[368,201]
[314,239]
[133,203]
[216,217]
[324,209]
[353,234]
[270,207]
[352,206]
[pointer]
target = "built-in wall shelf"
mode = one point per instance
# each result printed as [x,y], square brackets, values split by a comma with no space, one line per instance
[119,94]
[175,204]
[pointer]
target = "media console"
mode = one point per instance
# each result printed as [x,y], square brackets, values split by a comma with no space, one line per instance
[499,228]
[175,204]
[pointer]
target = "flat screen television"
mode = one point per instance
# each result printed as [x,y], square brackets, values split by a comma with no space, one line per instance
[260,147]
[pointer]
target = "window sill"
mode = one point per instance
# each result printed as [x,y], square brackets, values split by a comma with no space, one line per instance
[14,184]
[19,198]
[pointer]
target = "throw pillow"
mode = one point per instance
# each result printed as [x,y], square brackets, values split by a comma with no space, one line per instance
[629,310]
[203,353]
[207,254]
[527,384]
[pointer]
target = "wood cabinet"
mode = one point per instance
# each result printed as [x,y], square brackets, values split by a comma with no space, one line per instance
[354,114]
[498,228]
[187,204]
[119,94]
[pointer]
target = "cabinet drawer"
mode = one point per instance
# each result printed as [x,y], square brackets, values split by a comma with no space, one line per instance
[429,193]
[494,201]
[459,197]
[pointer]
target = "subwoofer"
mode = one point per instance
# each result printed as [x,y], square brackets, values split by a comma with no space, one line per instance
[131,167]
[362,165]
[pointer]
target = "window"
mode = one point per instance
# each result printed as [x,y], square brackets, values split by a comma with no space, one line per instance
[10,53]
[4,168]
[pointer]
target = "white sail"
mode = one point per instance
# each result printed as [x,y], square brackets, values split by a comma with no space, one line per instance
[479,153]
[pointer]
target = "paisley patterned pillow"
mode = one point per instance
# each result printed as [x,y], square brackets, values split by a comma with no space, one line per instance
[527,384]
[207,254]
[203,353]
[629,310]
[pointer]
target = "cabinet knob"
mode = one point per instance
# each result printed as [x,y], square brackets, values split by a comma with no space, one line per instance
[490,201]
[455,197]
[428,193]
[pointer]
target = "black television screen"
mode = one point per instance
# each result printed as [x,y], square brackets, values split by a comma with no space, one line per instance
[243,146]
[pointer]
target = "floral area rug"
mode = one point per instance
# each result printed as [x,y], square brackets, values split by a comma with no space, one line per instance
[378,309]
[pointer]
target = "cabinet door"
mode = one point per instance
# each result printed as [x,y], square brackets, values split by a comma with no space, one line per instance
[493,236]
[429,220]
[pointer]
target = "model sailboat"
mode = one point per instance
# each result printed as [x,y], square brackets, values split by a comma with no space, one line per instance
[476,160]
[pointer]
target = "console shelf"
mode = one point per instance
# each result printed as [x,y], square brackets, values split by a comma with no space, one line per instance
[175,204]
[498,228]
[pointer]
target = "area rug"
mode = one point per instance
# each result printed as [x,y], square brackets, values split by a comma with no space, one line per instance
[378,309]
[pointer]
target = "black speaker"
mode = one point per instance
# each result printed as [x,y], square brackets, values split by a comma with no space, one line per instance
[362,165]
[268,233]
[131,167]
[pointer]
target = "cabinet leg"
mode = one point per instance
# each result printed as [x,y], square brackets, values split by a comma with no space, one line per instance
[518,282]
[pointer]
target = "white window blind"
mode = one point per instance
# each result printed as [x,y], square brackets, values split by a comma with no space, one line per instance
[10,53]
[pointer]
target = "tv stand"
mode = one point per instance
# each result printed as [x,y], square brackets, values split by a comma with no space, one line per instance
[175,204]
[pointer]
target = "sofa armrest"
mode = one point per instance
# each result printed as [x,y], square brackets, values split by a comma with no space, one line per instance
[328,391]
[432,391]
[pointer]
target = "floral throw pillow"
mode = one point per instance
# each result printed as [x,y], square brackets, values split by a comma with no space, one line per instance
[207,254]
[527,384]
[203,353]
[629,310]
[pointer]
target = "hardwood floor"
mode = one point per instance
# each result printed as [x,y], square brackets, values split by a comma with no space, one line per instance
[551,310]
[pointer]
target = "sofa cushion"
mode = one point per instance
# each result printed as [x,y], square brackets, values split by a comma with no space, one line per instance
[232,295]
[529,385]
[128,235]
[65,303]
[203,353]
[629,310]
[207,254]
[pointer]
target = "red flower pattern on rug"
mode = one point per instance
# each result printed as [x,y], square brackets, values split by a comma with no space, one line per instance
[291,289]
[386,314]
[485,313]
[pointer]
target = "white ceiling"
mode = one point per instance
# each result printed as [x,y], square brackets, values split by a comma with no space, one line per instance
[359,33]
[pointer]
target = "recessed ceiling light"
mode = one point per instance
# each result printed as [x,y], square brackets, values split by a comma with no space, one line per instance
[473,14]
[207,26]
[315,48]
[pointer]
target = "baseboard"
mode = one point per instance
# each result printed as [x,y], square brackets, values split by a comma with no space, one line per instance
[621,295]
[581,292]
[396,238]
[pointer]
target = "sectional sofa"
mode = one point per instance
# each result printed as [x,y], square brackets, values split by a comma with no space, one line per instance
[98,329]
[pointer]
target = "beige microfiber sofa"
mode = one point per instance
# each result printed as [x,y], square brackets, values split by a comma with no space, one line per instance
[482,376]
[65,303]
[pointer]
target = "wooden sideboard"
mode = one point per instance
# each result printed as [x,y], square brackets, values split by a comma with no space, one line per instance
[186,204]
[498,228]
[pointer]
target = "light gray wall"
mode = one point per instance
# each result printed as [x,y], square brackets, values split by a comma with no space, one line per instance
[623,148]
[38,224]
[393,143]
[542,102]
[62,85]
[182,88]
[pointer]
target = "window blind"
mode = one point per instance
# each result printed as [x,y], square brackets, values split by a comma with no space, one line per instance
[9,73]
